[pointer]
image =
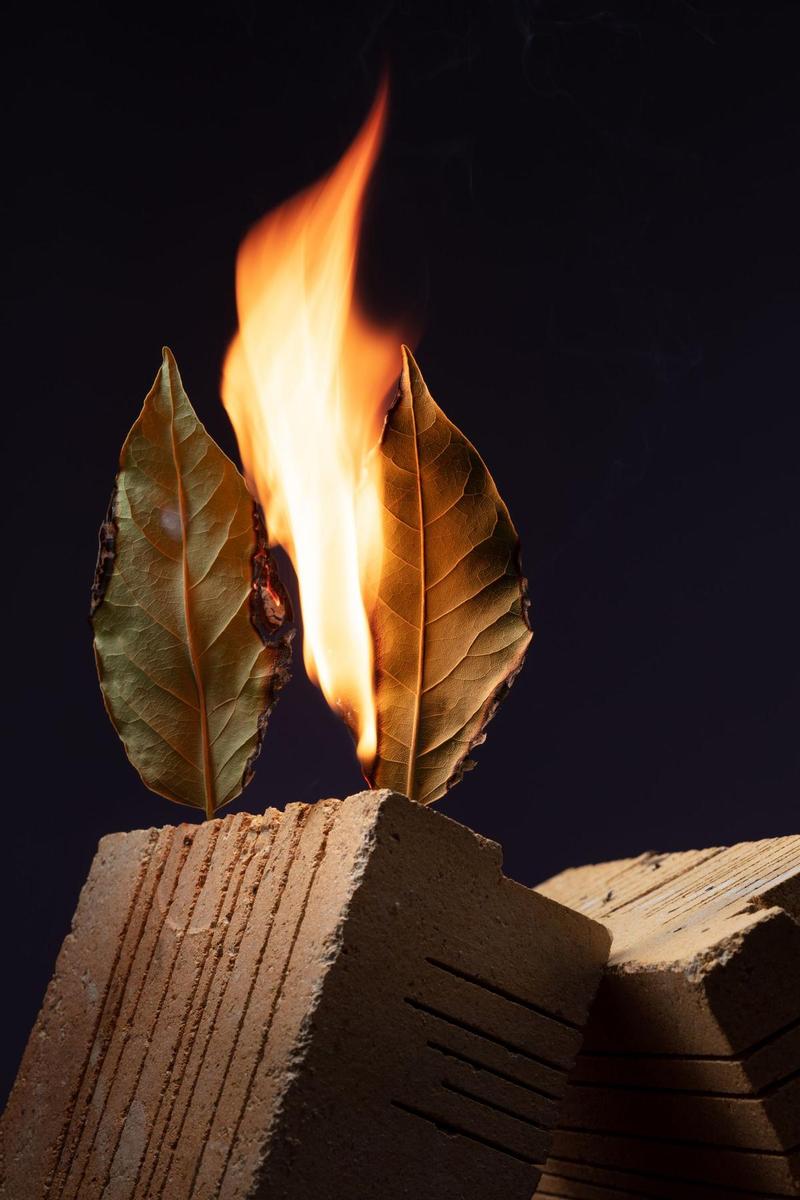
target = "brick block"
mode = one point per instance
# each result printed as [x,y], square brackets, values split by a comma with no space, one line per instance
[346,1000]
[688,1084]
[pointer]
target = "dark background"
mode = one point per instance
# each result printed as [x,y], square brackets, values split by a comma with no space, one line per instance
[591,211]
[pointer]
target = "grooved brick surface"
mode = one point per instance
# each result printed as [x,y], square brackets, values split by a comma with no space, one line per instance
[689,1080]
[345,1000]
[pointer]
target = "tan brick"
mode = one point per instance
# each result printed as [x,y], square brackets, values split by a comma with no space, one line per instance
[347,1000]
[688,1083]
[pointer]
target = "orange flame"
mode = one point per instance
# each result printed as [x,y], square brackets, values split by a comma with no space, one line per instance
[304,384]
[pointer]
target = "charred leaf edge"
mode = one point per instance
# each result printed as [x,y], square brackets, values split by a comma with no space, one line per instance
[270,614]
[106,554]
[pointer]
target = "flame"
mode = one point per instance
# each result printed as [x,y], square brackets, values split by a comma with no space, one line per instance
[304,385]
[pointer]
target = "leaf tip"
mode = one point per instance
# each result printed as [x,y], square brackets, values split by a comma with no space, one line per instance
[169,382]
[409,370]
[411,384]
[169,367]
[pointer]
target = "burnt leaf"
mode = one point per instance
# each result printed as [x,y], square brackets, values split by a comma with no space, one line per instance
[190,620]
[450,624]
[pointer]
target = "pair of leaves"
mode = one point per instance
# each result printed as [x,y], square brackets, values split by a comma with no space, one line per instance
[190,620]
[450,625]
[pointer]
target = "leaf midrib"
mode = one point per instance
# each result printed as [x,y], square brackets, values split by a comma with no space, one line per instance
[194,658]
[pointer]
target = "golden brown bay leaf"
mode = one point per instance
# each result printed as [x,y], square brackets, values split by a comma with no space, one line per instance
[450,623]
[190,620]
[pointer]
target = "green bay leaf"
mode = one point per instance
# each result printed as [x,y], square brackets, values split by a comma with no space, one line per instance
[450,623]
[191,623]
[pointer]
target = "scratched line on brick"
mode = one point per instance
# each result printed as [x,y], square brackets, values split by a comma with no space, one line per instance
[214,839]
[75,1118]
[320,855]
[117,1042]
[291,857]
[174,1135]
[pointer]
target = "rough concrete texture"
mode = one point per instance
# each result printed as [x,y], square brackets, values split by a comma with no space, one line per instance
[346,1001]
[688,1084]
